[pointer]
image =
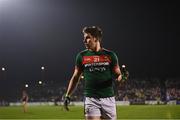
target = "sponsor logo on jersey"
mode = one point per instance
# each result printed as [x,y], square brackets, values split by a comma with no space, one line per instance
[96,63]
[95,59]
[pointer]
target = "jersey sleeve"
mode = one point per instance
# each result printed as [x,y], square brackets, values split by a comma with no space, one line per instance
[114,60]
[78,62]
[114,63]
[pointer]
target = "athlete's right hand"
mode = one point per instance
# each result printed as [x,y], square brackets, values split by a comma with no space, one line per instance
[66,102]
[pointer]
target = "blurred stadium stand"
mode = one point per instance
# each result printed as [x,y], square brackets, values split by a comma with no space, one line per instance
[136,91]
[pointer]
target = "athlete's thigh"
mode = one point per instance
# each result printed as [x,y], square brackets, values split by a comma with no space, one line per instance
[108,108]
[23,103]
[92,108]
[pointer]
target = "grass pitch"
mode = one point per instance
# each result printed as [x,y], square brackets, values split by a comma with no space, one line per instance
[77,112]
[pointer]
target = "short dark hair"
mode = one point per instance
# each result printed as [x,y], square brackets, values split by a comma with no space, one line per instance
[95,31]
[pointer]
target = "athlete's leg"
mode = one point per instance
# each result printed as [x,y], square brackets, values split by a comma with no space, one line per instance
[92,109]
[93,118]
[108,110]
[24,107]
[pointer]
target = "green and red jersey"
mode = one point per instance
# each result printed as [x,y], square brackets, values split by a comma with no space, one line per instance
[98,70]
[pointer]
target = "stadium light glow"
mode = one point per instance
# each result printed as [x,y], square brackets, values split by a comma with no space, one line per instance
[26,85]
[42,68]
[3,69]
[40,82]
[123,66]
[82,77]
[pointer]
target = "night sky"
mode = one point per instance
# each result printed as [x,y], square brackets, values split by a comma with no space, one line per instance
[35,33]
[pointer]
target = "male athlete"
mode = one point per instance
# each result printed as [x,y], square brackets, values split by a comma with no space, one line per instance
[24,100]
[99,67]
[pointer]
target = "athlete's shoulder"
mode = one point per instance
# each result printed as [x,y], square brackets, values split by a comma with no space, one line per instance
[83,52]
[108,51]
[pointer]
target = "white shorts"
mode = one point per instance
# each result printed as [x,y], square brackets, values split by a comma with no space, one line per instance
[104,107]
[24,103]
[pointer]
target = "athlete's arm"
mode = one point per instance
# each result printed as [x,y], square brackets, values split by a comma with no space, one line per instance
[117,72]
[73,81]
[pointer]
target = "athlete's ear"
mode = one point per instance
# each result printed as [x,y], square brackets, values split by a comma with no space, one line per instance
[96,39]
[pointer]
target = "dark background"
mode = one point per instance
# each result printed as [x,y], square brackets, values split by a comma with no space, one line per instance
[35,33]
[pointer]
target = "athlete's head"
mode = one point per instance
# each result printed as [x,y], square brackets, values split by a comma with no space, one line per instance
[92,36]
[95,31]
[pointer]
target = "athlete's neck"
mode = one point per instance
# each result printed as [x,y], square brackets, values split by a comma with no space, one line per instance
[97,48]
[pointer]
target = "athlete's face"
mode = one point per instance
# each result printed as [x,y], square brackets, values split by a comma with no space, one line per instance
[90,42]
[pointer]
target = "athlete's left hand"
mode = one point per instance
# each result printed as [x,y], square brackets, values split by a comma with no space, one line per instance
[125,73]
